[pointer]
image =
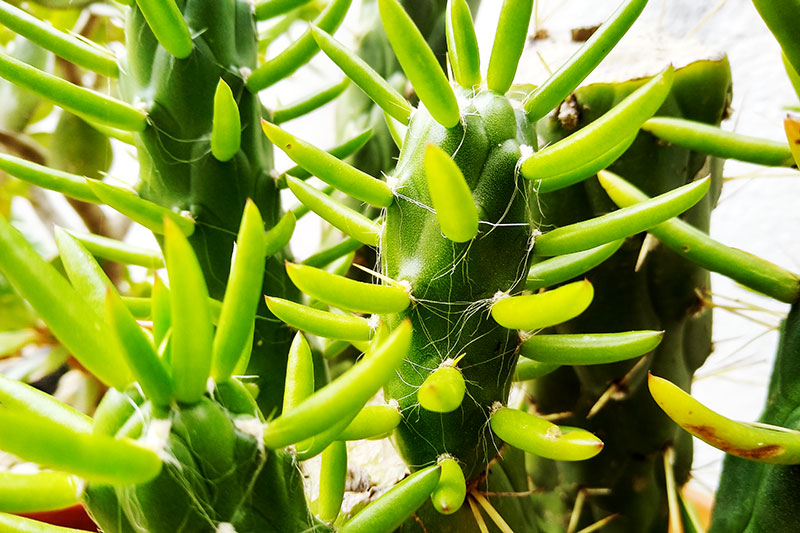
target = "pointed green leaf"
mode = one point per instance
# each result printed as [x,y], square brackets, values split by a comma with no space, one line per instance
[590,349]
[226,124]
[558,86]
[712,140]
[419,64]
[565,267]
[462,44]
[373,421]
[137,348]
[621,223]
[299,373]
[586,170]
[325,257]
[242,294]
[396,129]
[68,184]
[281,233]
[688,241]
[332,478]
[190,351]
[318,322]
[22,398]
[538,436]
[93,457]
[591,142]
[66,45]
[310,103]
[394,507]
[83,271]
[509,41]
[364,76]
[167,24]
[451,196]
[95,106]
[42,491]
[266,9]
[349,294]
[69,317]
[341,151]
[119,251]
[757,442]
[536,311]
[144,212]
[329,169]
[299,52]
[350,222]
[346,394]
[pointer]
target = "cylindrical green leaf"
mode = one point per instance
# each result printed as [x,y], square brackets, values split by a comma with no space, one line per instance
[565,267]
[266,9]
[712,140]
[42,491]
[364,76]
[621,223]
[321,323]
[701,249]
[393,508]
[242,294]
[119,251]
[332,478]
[349,294]
[23,398]
[451,196]
[373,421]
[83,271]
[67,184]
[281,233]
[538,436]
[346,394]
[81,101]
[542,310]
[452,487]
[591,142]
[340,151]
[349,221]
[68,46]
[462,44]
[167,24]
[307,104]
[226,124]
[419,64]
[590,348]
[527,370]
[558,86]
[93,457]
[509,41]
[299,373]
[757,442]
[191,340]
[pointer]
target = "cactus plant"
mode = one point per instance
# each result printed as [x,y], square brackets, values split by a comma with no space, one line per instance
[476,269]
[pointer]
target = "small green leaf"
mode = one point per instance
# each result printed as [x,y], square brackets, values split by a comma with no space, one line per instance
[332,478]
[321,323]
[329,255]
[267,9]
[712,140]
[329,169]
[299,373]
[364,76]
[536,311]
[281,233]
[372,422]
[621,223]
[167,24]
[562,268]
[242,295]
[349,294]
[122,252]
[55,180]
[346,394]
[226,124]
[341,151]
[42,491]
[420,65]
[191,340]
[307,104]
[349,221]
[443,390]
[590,349]
[538,436]
[527,370]
[451,491]
[558,86]
[451,196]
[462,44]
[22,398]
[509,41]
